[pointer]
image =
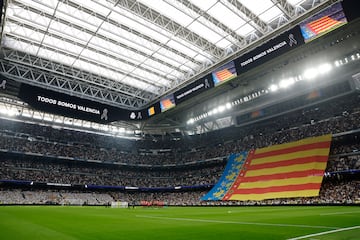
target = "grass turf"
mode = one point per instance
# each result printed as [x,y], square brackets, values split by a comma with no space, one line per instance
[221,223]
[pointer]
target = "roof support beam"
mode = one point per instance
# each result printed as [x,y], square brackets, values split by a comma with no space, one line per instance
[71,73]
[126,28]
[286,8]
[171,26]
[105,38]
[255,21]
[94,49]
[65,83]
[195,9]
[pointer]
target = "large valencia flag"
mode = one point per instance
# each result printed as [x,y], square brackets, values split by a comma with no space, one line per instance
[232,169]
[287,170]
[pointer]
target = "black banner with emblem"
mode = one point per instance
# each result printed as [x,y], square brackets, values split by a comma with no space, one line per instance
[75,107]
[193,89]
[285,42]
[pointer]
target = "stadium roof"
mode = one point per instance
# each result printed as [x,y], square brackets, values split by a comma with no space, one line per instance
[129,53]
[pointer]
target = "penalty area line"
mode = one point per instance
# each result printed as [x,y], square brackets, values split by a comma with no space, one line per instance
[324,233]
[233,222]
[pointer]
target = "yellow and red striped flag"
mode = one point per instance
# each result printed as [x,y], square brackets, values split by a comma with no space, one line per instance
[224,75]
[287,170]
[323,24]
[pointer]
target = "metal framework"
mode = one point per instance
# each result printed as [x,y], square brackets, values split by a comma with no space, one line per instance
[36,71]
[129,53]
[254,20]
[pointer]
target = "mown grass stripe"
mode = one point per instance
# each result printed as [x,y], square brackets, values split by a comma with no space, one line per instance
[234,222]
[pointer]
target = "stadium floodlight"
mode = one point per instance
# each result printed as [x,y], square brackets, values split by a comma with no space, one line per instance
[310,73]
[324,68]
[228,105]
[286,82]
[104,128]
[190,121]
[76,123]
[273,87]
[48,117]
[56,120]
[113,129]
[221,108]
[291,80]
[11,113]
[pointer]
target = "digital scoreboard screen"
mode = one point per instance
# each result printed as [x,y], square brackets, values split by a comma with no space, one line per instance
[323,22]
[224,73]
[167,103]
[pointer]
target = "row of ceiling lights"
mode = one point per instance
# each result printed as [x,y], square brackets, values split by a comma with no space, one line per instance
[14,112]
[309,74]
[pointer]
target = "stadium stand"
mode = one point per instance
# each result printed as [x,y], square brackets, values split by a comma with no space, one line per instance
[320,119]
[28,154]
[43,162]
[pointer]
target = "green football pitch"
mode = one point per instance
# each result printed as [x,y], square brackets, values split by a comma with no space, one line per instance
[221,223]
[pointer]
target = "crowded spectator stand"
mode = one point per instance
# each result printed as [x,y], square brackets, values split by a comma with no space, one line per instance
[39,165]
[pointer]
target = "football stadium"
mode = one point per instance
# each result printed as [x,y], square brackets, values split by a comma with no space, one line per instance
[180,119]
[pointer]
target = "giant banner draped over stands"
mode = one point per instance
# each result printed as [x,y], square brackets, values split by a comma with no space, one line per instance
[287,170]
[233,167]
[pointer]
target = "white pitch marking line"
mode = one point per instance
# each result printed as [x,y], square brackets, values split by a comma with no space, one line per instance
[337,213]
[324,233]
[233,222]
